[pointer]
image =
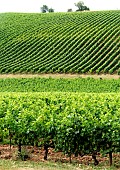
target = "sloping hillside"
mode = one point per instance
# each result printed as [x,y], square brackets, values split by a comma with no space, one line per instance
[78,42]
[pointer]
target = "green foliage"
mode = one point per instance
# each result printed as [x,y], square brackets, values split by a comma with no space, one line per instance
[88,85]
[74,123]
[44,9]
[60,42]
[81,7]
[51,10]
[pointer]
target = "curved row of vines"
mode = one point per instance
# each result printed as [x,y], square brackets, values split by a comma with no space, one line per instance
[60,42]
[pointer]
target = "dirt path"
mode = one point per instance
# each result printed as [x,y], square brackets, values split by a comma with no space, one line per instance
[104,76]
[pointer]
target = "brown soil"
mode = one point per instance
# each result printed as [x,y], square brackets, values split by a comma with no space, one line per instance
[104,76]
[36,154]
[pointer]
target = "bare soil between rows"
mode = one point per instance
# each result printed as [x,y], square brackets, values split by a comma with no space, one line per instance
[103,76]
[36,154]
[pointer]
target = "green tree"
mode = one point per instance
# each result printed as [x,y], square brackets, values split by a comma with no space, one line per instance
[51,10]
[44,9]
[81,7]
[69,10]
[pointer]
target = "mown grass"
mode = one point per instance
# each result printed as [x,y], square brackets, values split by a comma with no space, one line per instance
[27,165]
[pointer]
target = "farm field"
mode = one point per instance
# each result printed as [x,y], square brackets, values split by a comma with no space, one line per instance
[67,111]
[86,42]
[88,85]
[73,123]
[60,90]
[24,101]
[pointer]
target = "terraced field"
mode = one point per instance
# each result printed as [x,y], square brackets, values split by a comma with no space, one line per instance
[87,42]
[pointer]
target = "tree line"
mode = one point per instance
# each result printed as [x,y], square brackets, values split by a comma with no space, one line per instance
[80,7]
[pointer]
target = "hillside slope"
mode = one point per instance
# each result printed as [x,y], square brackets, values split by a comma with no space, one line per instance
[78,42]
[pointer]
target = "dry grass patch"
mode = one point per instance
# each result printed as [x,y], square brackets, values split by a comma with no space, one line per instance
[104,76]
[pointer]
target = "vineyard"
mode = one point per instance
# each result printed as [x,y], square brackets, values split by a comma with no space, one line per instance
[87,42]
[73,123]
[87,85]
[73,116]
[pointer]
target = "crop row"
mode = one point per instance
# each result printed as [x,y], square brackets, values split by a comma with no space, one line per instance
[88,85]
[61,42]
[73,123]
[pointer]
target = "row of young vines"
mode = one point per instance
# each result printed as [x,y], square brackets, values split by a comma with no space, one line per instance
[60,42]
[87,85]
[74,123]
